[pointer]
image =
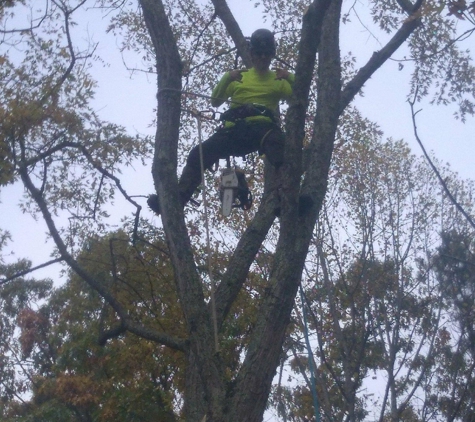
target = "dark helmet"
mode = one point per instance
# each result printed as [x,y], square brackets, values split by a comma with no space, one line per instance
[263,42]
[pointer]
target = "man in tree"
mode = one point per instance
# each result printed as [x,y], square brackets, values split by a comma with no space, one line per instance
[250,124]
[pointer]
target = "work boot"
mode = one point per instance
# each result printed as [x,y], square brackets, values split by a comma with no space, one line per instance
[153,203]
[189,181]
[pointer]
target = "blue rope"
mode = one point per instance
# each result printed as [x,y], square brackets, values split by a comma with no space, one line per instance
[310,360]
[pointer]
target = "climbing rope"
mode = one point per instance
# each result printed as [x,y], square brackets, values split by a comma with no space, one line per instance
[313,386]
[198,117]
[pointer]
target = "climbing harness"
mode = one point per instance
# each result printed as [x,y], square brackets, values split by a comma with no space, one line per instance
[247,110]
[234,190]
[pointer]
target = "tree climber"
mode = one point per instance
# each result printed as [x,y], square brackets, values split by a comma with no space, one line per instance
[250,124]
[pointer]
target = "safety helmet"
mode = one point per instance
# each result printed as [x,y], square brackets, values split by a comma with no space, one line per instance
[263,42]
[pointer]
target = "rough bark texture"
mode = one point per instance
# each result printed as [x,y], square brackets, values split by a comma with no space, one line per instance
[207,394]
[208,397]
[205,364]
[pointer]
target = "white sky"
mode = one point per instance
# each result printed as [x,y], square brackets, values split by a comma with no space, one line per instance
[130,101]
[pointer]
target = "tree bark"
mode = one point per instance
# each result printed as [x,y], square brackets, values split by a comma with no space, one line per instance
[206,393]
[205,364]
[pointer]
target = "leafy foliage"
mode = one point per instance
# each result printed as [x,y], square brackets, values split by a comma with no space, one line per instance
[155,301]
[376,307]
[454,265]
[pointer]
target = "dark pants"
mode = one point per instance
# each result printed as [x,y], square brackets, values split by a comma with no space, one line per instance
[239,140]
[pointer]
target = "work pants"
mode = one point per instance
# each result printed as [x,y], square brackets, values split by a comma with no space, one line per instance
[239,140]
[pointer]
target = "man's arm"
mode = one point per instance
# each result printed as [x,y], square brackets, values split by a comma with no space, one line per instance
[219,95]
[284,74]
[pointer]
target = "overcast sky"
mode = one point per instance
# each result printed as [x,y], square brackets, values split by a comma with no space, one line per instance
[130,101]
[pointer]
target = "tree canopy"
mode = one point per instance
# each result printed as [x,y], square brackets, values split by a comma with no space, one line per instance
[196,329]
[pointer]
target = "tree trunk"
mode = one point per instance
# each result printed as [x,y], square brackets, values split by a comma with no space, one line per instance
[207,394]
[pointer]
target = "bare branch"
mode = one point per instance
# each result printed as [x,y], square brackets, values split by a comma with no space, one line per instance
[67,14]
[226,16]
[378,59]
[216,56]
[434,168]
[30,270]
[90,159]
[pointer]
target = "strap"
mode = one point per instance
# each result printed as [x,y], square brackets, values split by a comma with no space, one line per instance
[264,138]
[247,110]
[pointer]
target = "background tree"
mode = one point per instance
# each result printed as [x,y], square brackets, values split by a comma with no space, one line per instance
[69,162]
[17,299]
[377,309]
[75,369]
[73,374]
[454,267]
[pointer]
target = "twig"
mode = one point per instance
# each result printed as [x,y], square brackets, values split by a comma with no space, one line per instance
[30,270]
[434,168]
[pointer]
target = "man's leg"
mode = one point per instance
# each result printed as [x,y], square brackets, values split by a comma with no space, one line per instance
[239,140]
[272,145]
[225,142]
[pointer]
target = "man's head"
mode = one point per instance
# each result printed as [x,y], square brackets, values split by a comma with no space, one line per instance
[262,47]
[262,43]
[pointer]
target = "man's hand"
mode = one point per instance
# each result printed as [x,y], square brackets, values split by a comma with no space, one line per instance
[236,75]
[281,73]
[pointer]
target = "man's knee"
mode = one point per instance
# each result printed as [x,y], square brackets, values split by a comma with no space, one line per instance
[193,159]
[210,156]
[273,147]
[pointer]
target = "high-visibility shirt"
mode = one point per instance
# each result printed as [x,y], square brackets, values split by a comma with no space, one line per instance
[255,88]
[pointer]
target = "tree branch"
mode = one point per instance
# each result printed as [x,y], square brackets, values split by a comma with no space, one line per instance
[30,270]
[226,16]
[434,168]
[190,291]
[378,59]
[106,335]
[408,7]
[327,115]
[155,336]
[95,284]
[243,257]
[264,351]
[92,162]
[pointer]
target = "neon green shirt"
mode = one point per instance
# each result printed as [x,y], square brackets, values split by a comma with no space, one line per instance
[255,88]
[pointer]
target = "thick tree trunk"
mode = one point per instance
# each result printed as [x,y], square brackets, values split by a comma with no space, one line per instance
[203,363]
[207,393]
[194,399]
